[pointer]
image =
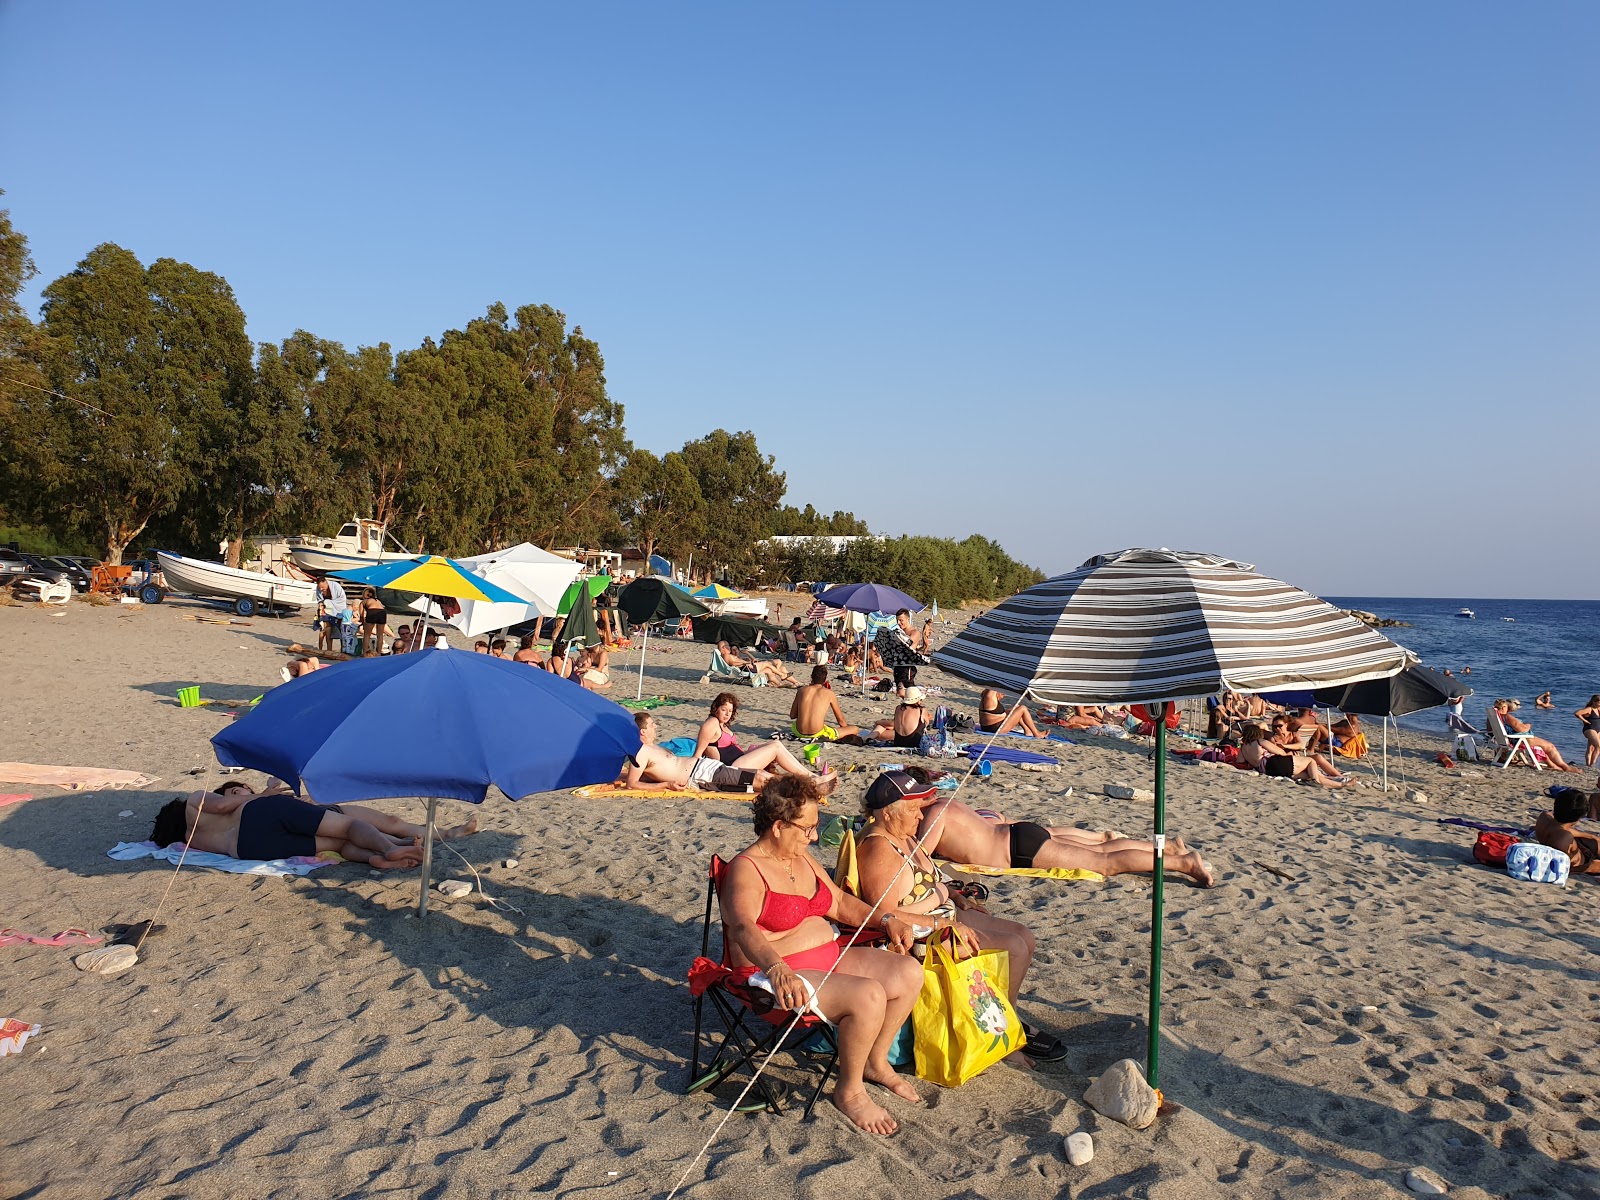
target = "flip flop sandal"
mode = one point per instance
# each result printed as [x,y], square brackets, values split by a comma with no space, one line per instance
[1041,1046]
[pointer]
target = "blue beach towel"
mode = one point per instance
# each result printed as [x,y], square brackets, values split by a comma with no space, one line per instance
[1007,754]
[124,851]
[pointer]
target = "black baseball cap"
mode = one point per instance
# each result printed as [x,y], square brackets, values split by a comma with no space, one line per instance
[894,786]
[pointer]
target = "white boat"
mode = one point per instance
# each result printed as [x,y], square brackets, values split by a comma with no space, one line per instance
[744,606]
[1467,613]
[359,543]
[249,591]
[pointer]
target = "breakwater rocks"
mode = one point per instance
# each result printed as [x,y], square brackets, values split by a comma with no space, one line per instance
[1375,620]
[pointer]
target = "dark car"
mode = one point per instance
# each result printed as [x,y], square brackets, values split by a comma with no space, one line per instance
[75,568]
[42,568]
[12,566]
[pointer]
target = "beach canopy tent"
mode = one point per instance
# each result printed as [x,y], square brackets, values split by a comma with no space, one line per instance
[439,724]
[648,600]
[1151,626]
[742,632]
[537,577]
[1415,689]
[868,597]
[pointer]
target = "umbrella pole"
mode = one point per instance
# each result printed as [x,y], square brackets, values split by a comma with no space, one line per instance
[643,650]
[1152,1070]
[427,858]
[1386,756]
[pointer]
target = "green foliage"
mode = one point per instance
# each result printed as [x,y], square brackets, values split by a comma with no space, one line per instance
[928,568]
[35,539]
[741,488]
[135,409]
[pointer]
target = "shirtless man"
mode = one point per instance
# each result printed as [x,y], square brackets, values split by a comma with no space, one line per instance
[1311,733]
[277,826]
[655,769]
[1558,827]
[959,834]
[813,705]
[395,827]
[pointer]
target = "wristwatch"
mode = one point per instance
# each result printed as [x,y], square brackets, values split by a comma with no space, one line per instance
[887,917]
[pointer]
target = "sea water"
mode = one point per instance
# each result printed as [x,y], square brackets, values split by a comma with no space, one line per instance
[1514,648]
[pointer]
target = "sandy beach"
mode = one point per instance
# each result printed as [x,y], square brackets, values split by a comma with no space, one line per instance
[1391,1005]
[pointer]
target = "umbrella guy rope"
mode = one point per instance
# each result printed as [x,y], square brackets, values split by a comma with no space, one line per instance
[778,1043]
[150,925]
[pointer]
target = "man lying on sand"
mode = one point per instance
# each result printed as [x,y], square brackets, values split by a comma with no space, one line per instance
[654,768]
[1558,827]
[276,826]
[960,835]
[405,831]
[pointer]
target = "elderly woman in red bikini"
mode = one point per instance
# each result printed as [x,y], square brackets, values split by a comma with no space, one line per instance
[778,909]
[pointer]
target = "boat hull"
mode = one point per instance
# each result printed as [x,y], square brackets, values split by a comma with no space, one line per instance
[742,607]
[315,561]
[215,581]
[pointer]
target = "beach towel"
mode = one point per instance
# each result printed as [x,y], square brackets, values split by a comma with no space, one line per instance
[299,865]
[73,779]
[1007,754]
[1481,825]
[1071,873]
[649,702]
[13,798]
[616,791]
[682,747]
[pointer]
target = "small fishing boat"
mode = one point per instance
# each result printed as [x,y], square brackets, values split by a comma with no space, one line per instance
[249,592]
[359,543]
[1467,613]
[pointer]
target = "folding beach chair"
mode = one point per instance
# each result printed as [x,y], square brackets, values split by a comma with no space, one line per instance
[721,671]
[752,1022]
[1509,745]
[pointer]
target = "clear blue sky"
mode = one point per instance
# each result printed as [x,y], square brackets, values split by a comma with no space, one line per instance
[1315,286]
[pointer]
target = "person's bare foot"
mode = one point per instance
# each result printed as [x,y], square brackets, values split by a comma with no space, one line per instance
[1201,872]
[864,1112]
[396,860]
[895,1082]
[460,831]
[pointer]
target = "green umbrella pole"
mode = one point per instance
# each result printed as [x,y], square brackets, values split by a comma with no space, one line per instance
[1157,899]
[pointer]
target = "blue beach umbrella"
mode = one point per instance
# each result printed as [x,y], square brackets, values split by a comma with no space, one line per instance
[869,597]
[434,723]
[431,575]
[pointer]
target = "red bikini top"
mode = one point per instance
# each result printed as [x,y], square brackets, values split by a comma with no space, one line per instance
[781,912]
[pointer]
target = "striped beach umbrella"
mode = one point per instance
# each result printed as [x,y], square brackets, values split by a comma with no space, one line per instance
[1151,626]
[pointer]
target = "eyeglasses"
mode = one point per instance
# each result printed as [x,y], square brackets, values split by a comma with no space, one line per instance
[808,829]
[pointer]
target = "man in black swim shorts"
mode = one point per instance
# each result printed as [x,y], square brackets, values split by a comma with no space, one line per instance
[1027,839]
[277,826]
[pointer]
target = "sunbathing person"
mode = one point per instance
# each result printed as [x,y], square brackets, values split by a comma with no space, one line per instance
[1280,758]
[1311,734]
[395,827]
[559,662]
[815,712]
[1558,827]
[1086,716]
[528,652]
[956,832]
[894,870]
[774,672]
[909,723]
[304,666]
[715,739]
[778,909]
[277,826]
[1544,746]
[994,717]
[654,769]
[591,669]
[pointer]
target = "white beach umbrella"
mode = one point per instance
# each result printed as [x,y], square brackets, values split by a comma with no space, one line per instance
[536,575]
[1150,626]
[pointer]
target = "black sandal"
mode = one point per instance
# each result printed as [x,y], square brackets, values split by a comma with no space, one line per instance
[1041,1046]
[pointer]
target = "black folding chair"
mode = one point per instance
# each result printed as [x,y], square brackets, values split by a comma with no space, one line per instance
[752,1023]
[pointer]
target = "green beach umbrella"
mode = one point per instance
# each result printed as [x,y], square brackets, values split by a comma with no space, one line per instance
[594,585]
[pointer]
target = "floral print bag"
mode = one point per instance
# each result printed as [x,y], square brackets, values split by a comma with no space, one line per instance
[963,1021]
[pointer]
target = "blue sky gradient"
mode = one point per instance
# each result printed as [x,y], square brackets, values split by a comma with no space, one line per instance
[1317,287]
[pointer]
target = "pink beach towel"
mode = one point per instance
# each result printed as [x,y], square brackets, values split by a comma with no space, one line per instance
[73,779]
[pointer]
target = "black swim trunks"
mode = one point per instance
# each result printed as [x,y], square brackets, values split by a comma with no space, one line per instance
[1027,839]
[278,827]
[1279,766]
[1588,850]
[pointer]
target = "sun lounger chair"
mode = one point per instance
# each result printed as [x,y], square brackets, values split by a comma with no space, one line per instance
[46,592]
[1509,745]
[752,1024]
[720,671]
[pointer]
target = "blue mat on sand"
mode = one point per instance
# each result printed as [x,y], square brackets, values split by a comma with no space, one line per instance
[1006,754]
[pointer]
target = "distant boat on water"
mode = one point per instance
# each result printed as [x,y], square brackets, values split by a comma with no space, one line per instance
[1513,620]
[1467,613]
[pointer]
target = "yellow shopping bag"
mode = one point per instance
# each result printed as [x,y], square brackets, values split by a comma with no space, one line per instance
[963,1021]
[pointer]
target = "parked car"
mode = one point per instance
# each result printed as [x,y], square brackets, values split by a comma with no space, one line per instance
[40,567]
[12,566]
[76,571]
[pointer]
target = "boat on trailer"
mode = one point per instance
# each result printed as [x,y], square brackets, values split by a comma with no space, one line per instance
[359,543]
[249,592]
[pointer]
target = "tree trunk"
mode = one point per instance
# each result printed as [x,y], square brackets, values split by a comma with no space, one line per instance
[236,542]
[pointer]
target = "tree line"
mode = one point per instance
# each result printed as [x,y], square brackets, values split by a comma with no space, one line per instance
[136,412]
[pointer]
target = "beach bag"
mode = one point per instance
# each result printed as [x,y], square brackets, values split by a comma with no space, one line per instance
[963,1022]
[938,743]
[1490,848]
[1532,863]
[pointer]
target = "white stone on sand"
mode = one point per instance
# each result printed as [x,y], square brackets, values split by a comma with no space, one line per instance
[1425,1183]
[1080,1148]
